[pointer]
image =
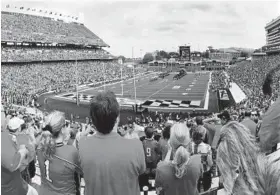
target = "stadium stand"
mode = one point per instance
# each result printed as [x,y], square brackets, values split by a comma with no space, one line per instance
[16,27]
[29,70]
[39,53]
[250,77]
[26,54]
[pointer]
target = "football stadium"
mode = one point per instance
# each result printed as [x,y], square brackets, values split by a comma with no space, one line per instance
[76,119]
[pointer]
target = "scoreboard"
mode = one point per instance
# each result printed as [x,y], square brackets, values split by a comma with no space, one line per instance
[185,53]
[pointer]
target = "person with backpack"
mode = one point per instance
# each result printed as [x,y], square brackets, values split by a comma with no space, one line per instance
[197,146]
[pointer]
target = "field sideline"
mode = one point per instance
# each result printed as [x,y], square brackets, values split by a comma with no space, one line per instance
[192,87]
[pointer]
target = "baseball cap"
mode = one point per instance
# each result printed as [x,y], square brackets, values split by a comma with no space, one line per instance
[15,123]
[224,115]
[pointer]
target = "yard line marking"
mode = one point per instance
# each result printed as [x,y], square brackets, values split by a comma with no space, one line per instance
[176,87]
[126,81]
[136,87]
[163,80]
[159,90]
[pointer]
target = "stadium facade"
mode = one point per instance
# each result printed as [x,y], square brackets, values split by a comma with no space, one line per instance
[38,34]
[273,36]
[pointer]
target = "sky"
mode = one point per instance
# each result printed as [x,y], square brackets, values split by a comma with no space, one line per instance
[132,28]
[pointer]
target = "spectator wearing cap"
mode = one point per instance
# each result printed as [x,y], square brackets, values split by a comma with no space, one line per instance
[111,164]
[14,125]
[12,156]
[249,123]
[180,175]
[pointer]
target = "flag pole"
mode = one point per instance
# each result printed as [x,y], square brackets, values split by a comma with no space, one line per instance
[134,76]
[104,76]
[134,85]
[122,76]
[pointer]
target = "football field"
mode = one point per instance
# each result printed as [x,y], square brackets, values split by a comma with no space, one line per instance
[190,88]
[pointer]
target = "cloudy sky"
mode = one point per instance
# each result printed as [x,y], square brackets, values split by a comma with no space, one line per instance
[150,25]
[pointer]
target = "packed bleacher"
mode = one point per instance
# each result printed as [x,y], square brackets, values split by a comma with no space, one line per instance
[219,80]
[152,130]
[158,152]
[21,82]
[29,54]
[250,77]
[17,27]
[156,131]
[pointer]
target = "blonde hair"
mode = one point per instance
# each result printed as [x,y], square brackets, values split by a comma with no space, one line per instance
[54,125]
[238,151]
[179,140]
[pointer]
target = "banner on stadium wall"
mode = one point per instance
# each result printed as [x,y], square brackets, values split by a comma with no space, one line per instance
[126,101]
[223,95]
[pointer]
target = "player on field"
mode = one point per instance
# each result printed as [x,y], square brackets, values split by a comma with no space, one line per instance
[58,161]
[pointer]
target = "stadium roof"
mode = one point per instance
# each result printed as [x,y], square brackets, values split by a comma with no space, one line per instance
[17,27]
[273,23]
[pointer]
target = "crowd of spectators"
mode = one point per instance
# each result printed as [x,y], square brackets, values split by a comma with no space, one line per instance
[29,54]
[250,78]
[17,27]
[219,80]
[179,151]
[21,82]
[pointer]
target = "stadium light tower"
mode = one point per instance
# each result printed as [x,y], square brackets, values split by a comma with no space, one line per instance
[141,53]
[121,63]
[77,82]
[104,76]
[134,83]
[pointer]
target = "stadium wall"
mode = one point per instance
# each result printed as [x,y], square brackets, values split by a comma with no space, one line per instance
[226,100]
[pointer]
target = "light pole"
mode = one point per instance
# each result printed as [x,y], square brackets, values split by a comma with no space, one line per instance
[77,82]
[134,85]
[122,76]
[134,76]
[104,76]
